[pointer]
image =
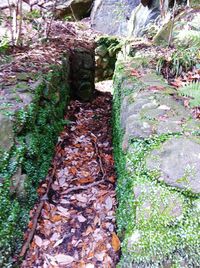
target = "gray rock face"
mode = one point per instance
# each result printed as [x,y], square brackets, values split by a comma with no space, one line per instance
[111,16]
[140,17]
[178,163]
[150,112]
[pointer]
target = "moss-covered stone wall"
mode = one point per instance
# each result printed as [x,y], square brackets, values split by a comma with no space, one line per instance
[25,159]
[156,144]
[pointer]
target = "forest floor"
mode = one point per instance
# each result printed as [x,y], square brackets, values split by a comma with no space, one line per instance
[76,227]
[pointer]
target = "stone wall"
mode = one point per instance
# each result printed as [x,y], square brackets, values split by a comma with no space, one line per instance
[32,108]
[106,52]
[157,148]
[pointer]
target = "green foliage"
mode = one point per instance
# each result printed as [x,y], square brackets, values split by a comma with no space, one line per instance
[4,44]
[190,34]
[191,90]
[181,60]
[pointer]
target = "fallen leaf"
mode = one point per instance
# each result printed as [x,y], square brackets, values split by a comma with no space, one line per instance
[81,198]
[38,240]
[64,259]
[135,73]
[81,218]
[63,211]
[156,88]
[109,203]
[115,242]
[58,242]
[85,180]
[56,218]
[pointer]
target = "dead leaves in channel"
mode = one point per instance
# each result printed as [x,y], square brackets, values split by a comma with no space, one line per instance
[77,229]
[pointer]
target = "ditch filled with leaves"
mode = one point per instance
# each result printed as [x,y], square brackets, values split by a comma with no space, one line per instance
[73,225]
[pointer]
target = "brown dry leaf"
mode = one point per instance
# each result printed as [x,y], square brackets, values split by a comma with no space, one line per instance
[135,73]
[30,225]
[85,180]
[38,240]
[56,218]
[156,88]
[73,170]
[86,173]
[112,179]
[63,259]
[115,242]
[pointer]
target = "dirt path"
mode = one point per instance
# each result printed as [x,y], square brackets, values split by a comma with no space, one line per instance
[76,228]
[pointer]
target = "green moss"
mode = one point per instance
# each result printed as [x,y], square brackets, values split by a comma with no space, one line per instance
[36,128]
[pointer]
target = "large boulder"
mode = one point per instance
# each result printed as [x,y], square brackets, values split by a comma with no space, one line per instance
[76,9]
[111,16]
[144,14]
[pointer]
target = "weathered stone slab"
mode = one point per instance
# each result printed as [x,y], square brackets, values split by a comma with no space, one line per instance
[149,112]
[178,160]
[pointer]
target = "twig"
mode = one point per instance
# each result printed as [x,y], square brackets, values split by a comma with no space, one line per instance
[73,13]
[36,216]
[99,157]
[84,187]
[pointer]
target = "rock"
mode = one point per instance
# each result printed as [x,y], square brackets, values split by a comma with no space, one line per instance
[101,50]
[156,201]
[4,3]
[6,133]
[18,183]
[185,29]
[111,16]
[177,161]
[76,9]
[141,16]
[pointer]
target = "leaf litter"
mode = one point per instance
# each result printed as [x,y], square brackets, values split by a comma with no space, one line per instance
[76,226]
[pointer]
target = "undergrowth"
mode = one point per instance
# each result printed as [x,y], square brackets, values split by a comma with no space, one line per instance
[191,90]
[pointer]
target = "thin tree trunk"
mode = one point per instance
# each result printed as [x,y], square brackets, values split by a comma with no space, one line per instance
[18,40]
[172,26]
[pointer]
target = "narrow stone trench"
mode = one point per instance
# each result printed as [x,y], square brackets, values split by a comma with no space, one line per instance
[76,226]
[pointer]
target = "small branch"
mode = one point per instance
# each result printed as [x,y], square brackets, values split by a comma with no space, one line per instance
[84,187]
[73,13]
[99,156]
[36,216]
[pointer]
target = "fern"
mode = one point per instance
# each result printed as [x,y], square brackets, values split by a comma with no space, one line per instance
[191,90]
